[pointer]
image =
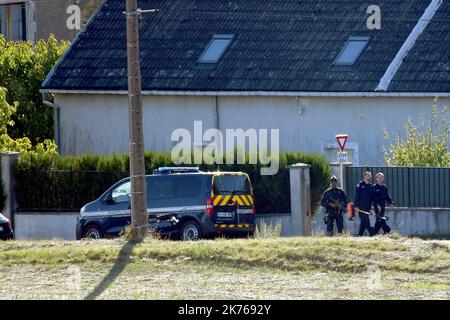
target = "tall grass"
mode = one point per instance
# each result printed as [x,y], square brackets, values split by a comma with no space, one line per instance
[267,230]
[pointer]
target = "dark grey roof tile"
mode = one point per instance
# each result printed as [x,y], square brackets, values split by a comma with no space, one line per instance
[279,45]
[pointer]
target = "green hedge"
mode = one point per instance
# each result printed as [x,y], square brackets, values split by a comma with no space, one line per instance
[67,183]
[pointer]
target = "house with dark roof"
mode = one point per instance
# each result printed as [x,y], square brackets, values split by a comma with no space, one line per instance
[310,68]
[32,20]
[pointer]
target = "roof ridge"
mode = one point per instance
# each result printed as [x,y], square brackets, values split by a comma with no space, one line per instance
[409,43]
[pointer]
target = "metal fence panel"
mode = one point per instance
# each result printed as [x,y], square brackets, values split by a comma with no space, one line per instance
[409,187]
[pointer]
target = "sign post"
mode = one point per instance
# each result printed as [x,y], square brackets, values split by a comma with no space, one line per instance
[342,155]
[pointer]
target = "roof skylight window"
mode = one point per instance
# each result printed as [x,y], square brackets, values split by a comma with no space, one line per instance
[216,48]
[352,51]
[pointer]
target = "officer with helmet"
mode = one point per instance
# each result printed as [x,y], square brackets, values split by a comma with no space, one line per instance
[334,200]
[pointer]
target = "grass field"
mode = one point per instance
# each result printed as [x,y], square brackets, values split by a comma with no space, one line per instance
[282,268]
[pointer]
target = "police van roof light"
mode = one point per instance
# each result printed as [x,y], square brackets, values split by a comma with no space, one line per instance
[176,169]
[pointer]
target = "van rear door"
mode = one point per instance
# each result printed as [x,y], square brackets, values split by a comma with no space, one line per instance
[233,200]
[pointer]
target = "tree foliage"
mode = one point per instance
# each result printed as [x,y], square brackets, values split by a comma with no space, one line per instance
[24,144]
[23,67]
[423,144]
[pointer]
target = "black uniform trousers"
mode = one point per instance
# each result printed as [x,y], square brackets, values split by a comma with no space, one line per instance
[380,222]
[333,216]
[365,223]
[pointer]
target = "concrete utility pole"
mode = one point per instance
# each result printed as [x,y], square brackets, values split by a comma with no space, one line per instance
[139,218]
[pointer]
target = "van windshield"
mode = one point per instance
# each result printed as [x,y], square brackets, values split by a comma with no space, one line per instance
[231,185]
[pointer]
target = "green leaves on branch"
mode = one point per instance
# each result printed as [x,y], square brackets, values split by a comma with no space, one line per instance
[26,124]
[23,145]
[23,68]
[423,144]
[6,111]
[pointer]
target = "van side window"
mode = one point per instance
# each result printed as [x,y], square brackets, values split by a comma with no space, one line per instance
[122,193]
[159,188]
[187,186]
[162,189]
[173,187]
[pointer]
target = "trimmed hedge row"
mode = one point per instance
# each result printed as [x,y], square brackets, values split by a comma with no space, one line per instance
[67,183]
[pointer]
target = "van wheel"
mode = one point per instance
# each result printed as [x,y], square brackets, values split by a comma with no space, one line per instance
[93,232]
[190,231]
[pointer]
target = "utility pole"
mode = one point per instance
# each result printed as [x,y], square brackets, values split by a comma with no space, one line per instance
[139,217]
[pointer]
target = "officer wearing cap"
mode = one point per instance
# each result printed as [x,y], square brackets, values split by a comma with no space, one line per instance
[381,197]
[364,196]
[334,200]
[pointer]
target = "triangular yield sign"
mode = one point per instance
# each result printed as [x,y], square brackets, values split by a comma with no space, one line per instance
[342,140]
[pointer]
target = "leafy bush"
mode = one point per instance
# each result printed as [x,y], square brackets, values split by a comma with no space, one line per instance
[424,145]
[23,144]
[49,182]
[23,67]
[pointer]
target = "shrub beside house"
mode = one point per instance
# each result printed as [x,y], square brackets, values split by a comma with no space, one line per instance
[58,183]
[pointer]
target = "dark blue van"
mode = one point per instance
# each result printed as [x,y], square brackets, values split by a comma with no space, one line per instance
[183,203]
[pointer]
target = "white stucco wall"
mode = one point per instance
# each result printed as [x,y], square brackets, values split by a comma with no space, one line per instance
[413,221]
[99,123]
[45,226]
[406,221]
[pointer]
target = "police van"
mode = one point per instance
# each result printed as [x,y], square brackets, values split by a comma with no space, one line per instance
[183,203]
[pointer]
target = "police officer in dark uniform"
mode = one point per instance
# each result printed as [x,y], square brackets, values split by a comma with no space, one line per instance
[381,197]
[364,197]
[334,200]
